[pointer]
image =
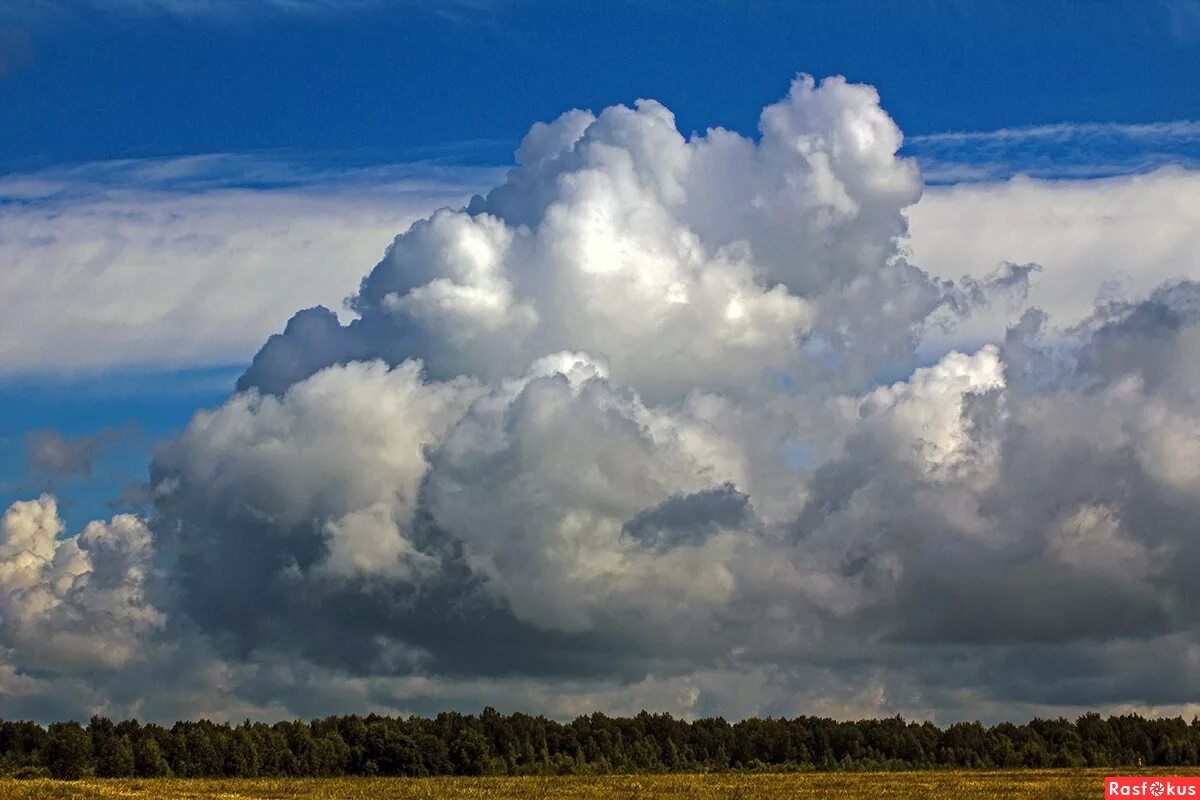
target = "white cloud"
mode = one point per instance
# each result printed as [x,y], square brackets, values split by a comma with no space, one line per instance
[687,263]
[340,456]
[165,263]
[540,477]
[75,603]
[920,420]
[1096,240]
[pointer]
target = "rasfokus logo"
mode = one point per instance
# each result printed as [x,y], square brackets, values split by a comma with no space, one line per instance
[1152,786]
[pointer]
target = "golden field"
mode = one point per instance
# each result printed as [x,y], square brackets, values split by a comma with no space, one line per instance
[1011,784]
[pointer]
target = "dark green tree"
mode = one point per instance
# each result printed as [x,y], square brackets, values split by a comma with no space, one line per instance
[68,751]
[114,758]
[470,753]
[148,760]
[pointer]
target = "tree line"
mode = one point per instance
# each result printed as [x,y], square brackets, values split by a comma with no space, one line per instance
[519,744]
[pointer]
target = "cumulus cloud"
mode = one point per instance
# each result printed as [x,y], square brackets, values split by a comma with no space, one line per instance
[346,448]
[538,481]
[644,425]
[689,264]
[74,603]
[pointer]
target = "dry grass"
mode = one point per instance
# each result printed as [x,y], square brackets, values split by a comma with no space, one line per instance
[1014,785]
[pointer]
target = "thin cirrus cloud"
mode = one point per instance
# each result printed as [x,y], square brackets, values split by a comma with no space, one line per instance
[558,427]
[1067,150]
[232,10]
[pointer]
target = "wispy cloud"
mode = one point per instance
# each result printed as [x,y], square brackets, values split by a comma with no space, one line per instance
[1068,131]
[1183,19]
[53,456]
[315,173]
[1066,150]
[233,10]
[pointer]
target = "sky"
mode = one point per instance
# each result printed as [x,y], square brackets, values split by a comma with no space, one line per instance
[709,358]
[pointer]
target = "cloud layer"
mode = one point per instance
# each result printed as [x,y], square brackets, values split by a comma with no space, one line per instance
[626,431]
[188,262]
[179,262]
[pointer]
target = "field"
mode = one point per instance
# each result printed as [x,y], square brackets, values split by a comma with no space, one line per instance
[1011,784]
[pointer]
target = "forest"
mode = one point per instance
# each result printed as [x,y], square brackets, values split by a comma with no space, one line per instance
[519,744]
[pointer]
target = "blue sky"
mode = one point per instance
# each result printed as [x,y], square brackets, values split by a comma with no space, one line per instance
[383,80]
[179,177]
[136,407]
